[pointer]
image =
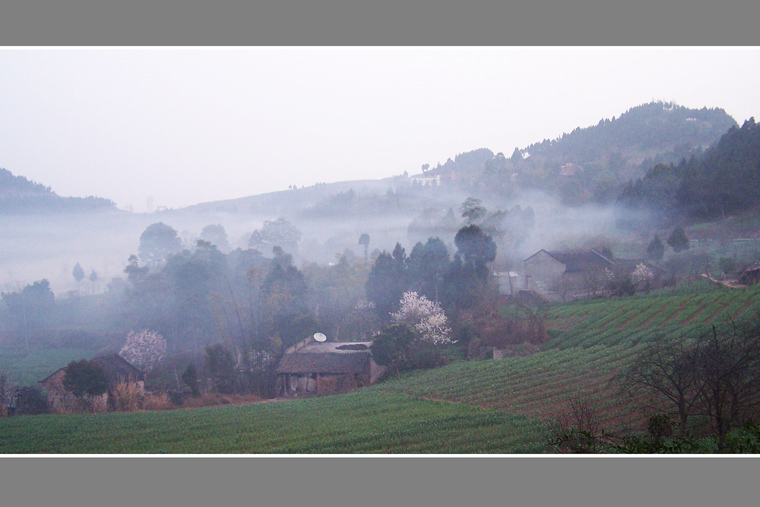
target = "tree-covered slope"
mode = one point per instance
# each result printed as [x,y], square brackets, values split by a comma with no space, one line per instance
[19,196]
[656,126]
[726,180]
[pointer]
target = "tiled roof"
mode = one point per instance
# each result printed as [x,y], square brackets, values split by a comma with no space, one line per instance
[116,368]
[581,260]
[321,362]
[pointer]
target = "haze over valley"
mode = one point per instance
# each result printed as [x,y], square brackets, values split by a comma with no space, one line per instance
[440,249]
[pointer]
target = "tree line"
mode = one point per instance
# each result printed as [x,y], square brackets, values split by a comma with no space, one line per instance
[724,181]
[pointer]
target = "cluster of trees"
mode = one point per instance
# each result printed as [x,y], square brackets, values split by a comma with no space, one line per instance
[458,291]
[429,271]
[725,180]
[28,312]
[647,127]
[509,228]
[677,240]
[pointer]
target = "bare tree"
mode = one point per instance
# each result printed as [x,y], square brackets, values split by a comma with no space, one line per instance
[667,369]
[578,428]
[729,363]
[716,374]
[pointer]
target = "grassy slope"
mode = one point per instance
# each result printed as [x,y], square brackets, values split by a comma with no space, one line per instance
[362,422]
[499,405]
[593,341]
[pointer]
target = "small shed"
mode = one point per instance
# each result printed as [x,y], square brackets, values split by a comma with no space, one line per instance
[316,368]
[117,370]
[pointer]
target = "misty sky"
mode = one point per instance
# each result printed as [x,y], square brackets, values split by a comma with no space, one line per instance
[184,126]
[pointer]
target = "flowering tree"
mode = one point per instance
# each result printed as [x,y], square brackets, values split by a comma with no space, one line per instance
[642,274]
[144,348]
[425,316]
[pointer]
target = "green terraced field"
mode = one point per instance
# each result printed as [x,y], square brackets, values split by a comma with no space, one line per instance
[593,340]
[488,406]
[362,422]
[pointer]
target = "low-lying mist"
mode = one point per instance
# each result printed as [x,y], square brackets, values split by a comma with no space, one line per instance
[49,246]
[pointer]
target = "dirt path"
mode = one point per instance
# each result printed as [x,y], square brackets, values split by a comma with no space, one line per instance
[731,284]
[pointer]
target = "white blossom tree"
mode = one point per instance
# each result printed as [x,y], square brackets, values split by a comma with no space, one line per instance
[144,348]
[641,275]
[425,316]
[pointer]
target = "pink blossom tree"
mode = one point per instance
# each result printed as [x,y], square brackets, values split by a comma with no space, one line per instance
[144,348]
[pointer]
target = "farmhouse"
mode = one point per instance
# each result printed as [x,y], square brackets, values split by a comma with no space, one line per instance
[571,273]
[314,368]
[117,371]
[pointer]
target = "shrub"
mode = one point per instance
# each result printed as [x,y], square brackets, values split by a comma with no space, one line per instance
[157,401]
[190,377]
[31,401]
[127,397]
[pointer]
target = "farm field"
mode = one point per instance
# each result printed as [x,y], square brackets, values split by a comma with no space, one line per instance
[593,340]
[362,423]
[486,406]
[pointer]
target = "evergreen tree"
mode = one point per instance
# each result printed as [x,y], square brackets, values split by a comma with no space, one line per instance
[190,377]
[655,249]
[78,273]
[678,240]
[477,249]
[387,281]
[426,266]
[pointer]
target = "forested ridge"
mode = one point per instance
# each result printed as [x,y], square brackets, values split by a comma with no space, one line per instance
[20,196]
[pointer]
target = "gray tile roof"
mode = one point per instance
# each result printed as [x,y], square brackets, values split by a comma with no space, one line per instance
[579,260]
[321,362]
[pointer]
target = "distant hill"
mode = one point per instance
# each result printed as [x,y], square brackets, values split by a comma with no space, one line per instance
[592,164]
[587,165]
[656,127]
[19,196]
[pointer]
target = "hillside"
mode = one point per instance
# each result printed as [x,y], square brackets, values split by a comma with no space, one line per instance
[486,406]
[725,181]
[19,196]
[593,340]
[656,127]
[590,165]
[601,158]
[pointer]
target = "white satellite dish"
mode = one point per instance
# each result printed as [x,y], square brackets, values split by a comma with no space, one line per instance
[320,337]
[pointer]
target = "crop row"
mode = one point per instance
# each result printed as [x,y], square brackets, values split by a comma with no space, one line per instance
[540,385]
[361,422]
[633,320]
